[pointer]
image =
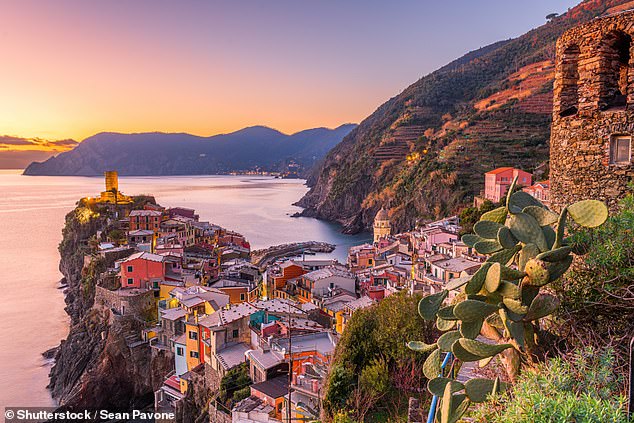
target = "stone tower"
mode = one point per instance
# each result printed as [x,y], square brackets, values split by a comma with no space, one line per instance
[112,180]
[593,113]
[382,226]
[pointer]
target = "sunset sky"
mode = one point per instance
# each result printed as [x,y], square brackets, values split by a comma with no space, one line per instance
[74,68]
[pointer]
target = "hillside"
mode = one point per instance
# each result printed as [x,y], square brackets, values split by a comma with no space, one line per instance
[157,153]
[422,154]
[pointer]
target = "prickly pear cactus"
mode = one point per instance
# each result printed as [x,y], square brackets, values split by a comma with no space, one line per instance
[526,250]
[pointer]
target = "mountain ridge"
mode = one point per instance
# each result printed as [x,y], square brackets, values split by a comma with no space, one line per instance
[422,153]
[165,153]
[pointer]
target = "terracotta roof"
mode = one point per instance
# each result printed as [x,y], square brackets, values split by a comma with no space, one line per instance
[498,170]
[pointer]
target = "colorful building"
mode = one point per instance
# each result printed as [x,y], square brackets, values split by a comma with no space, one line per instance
[540,190]
[143,270]
[497,182]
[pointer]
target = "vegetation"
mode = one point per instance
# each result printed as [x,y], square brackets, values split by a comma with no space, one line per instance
[470,215]
[234,386]
[503,300]
[373,370]
[581,388]
[597,295]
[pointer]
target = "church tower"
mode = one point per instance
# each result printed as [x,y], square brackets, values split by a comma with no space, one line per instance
[382,227]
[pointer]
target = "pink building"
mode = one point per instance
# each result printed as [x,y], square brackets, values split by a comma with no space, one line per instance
[497,182]
[142,270]
[541,191]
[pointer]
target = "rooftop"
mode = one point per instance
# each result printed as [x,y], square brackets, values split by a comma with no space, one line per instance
[145,213]
[144,255]
[233,355]
[273,388]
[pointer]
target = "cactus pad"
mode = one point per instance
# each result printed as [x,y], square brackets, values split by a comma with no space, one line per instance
[504,256]
[588,213]
[437,386]
[542,306]
[525,228]
[421,346]
[447,339]
[542,216]
[473,310]
[445,325]
[520,200]
[487,229]
[478,389]
[487,247]
[431,367]
[471,239]
[471,330]
[506,238]
[493,278]
[555,255]
[477,280]
[428,306]
[482,349]
[497,215]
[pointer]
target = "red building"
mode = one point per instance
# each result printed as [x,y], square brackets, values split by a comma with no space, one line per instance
[146,220]
[143,270]
[497,182]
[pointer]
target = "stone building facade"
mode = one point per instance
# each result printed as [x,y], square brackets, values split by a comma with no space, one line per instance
[593,113]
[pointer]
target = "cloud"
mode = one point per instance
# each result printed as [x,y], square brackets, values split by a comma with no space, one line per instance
[13,143]
[21,159]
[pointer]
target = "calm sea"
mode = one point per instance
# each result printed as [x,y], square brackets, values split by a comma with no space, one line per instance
[32,209]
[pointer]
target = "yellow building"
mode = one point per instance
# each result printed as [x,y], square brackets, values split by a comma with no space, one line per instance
[112,194]
[382,228]
[192,345]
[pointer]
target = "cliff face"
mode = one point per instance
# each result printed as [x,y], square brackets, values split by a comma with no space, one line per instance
[423,153]
[98,366]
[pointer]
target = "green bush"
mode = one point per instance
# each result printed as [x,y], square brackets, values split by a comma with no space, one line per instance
[598,293]
[581,388]
[372,354]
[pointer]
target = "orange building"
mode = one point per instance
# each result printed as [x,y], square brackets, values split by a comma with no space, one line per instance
[288,270]
[239,291]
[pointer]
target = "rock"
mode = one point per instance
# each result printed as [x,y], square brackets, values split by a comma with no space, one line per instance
[50,353]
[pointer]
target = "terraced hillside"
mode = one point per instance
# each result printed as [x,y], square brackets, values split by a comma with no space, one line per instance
[422,154]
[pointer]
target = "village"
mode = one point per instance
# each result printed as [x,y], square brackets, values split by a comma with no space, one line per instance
[260,337]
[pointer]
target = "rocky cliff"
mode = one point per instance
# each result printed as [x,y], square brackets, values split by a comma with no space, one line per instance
[422,154]
[99,365]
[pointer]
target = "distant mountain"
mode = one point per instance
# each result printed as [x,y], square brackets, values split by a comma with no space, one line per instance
[423,153]
[156,153]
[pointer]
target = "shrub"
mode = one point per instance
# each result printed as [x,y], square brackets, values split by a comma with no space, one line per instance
[581,388]
[598,293]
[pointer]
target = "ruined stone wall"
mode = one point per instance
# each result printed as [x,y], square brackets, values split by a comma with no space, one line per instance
[593,102]
[128,305]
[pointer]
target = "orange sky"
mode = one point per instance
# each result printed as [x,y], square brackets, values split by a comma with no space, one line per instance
[71,69]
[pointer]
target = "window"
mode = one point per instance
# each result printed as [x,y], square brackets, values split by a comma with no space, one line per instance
[130,281]
[242,296]
[236,333]
[614,70]
[180,351]
[569,96]
[130,269]
[620,150]
[193,335]
[193,354]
